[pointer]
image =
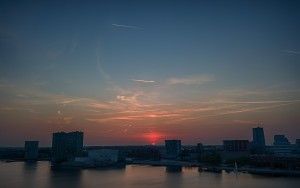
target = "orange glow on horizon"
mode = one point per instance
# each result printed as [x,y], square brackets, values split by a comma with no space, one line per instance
[153,137]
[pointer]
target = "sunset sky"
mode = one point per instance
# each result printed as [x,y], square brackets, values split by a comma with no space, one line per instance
[138,72]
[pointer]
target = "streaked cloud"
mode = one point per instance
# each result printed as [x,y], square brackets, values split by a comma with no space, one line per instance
[126,26]
[292,52]
[100,105]
[259,102]
[249,109]
[143,81]
[192,80]
[246,122]
[146,108]
[68,101]
[132,99]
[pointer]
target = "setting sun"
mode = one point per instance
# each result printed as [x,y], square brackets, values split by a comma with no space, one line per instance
[153,137]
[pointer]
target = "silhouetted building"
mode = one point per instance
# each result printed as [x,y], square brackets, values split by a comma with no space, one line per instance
[98,158]
[258,143]
[281,140]
[173,148]
[12,153]
[258,136]
[200,148]
[281,146]
[144,153]
[281,150]
[273,161]
[236,145]
[234,149]
[31,150]
[66,146]
[297,147]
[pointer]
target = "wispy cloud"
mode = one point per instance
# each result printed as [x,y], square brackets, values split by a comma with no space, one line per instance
[144,107]
[126,26]
[192,80]
[143,81]
[259,102]
[246,122]
[132,99]
[250,109]
[68,101]
[292,52]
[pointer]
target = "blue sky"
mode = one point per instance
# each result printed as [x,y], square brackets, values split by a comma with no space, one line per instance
[176,68]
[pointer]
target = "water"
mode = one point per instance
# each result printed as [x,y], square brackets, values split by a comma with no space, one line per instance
[40,175]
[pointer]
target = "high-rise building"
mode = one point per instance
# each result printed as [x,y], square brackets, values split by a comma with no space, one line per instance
[236,145]
[297,146]
[297,142]
[66,146]
[200,148]
[258,136]
[281,140]
[31,150]
[281,146]
[173,148]
[258,143]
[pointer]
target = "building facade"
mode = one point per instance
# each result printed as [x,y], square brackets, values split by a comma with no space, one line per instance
[258,144]
[297,142]
[236,145]
[281,150]
[31,150]
[258,136]
[281,140]
[66,146]
[173,148]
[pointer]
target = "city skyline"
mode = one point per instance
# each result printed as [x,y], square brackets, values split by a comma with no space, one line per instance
[257,140]
[135,73]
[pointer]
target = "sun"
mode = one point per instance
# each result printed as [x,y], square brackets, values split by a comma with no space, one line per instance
[153,137]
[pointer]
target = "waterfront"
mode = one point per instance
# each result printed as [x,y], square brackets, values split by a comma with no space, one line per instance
[20,174]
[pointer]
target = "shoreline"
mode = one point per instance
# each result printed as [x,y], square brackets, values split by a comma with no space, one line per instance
[201,167]
[219,169]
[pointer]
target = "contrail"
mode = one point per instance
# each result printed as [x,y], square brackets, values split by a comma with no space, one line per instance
[144,81]
[126,26]
[292,52]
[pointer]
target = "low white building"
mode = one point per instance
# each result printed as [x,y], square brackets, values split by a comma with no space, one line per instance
[98,158]
[104,155]
[281,149]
